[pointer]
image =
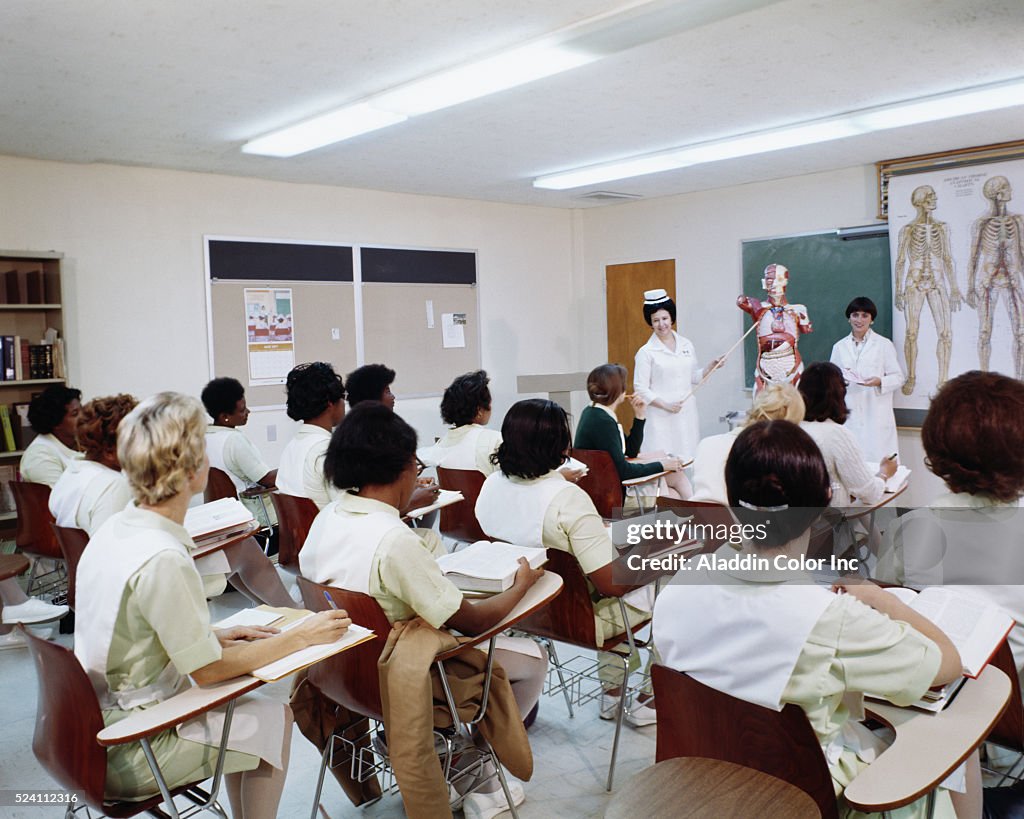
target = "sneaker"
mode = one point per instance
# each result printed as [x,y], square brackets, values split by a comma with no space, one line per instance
[13,639]
[33,610]
[485,805]
[609,706]
[641,715]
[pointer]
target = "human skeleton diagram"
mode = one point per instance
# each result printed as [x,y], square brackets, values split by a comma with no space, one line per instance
[924,250]
[995,271]
[779,327]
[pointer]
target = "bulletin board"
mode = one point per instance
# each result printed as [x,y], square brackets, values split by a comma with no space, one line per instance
[351,305]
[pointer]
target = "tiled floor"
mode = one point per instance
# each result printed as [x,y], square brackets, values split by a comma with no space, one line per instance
[570,755]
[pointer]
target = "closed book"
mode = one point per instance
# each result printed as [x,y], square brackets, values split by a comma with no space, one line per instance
[8,429]
[217,519]
[47,361]
[24,359]
[488,567]
[8,358]
[18,374]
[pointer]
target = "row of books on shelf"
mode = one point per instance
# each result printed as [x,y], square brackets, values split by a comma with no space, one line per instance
[21,361]
[23,286]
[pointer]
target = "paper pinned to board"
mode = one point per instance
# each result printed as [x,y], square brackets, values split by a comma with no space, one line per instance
[453,330]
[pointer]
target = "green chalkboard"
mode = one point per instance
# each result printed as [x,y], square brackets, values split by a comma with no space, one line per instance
[825,273]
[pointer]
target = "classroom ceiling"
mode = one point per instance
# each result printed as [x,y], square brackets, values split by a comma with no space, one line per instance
[183,84]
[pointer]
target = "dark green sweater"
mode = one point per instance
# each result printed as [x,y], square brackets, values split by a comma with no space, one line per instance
[598,430]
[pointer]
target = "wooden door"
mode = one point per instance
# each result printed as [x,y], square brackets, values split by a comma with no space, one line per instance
[624,300]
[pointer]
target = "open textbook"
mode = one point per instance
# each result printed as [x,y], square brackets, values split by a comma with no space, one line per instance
[217,520]
[488,567]
[975,627]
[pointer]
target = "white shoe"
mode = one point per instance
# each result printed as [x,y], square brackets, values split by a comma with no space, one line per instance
[485,805]
[609,706]
[13,639]
[641,715]
[33,610]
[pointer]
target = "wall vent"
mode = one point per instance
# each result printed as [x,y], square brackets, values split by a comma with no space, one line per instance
[608,196]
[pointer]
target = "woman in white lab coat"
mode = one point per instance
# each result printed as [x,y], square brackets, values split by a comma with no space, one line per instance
[873,374]
[664,375]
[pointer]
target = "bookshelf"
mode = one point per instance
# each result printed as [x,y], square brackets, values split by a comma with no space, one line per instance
[31,300]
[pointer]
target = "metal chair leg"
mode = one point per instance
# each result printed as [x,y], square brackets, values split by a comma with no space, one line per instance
[320,778]
[561,676]
[619,717]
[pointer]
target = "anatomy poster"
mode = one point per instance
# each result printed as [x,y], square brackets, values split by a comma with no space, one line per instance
[957,243]
[270,340]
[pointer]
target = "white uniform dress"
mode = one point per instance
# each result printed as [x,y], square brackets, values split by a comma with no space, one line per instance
[709,467]
[143,626]
[871,417]
[301,472]
[670,376]
[847,467]
[235,455]
[87,494]
[45,459]
[467,447]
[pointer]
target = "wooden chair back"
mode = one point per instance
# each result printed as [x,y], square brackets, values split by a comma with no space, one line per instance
[602,481]
[34,535]
[72,543]
[702,512]
[350,678]
[67,720]
[294,517]
[569,618]
[458,521]
[1009,731]
[696,720]
[219,485]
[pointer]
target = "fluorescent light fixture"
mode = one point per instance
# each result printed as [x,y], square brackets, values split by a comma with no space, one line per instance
[480,78]
[912,112]
[323,130]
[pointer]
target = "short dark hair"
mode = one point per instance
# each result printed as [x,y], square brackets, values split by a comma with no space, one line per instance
[535,437]
[606,383]
[776,464]
[651,309]
[48,409]
[862,304]
[222,395]
[311,388]
[370,447]
[973,435]
[464,398]
[824,391]
[368,383]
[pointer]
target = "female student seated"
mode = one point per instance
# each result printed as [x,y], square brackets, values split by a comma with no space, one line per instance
[824,393]
[92,489]
[52,415]
[143,625]
[773,637]
[776,402]
[599,428]
[973,438]
[360,543]
[529,503]
[468,443]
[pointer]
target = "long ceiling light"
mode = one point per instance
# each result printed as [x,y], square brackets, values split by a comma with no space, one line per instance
[897,115]
[636,22]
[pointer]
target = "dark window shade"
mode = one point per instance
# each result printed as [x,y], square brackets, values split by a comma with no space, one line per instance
[418,266]
[279,262]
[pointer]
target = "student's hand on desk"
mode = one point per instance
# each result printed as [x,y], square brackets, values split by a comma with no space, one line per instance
[423,496]
[244,634]
[323,627]
[571,475]
[673,464]
[526,575]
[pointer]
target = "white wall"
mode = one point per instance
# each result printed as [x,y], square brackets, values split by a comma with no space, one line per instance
[703,232]
[134,287]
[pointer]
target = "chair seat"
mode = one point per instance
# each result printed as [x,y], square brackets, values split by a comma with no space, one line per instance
[699,788]
[12,566]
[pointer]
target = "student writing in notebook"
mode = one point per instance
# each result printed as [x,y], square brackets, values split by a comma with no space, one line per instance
[143,624]
[771,636]
[360,543]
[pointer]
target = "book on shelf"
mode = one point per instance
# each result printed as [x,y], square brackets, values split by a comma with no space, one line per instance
[7,474]
[40,357]
[8,428]
[488,567]
[976,627]
[8,363]
[217,520]
[23,432]
[25,364]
